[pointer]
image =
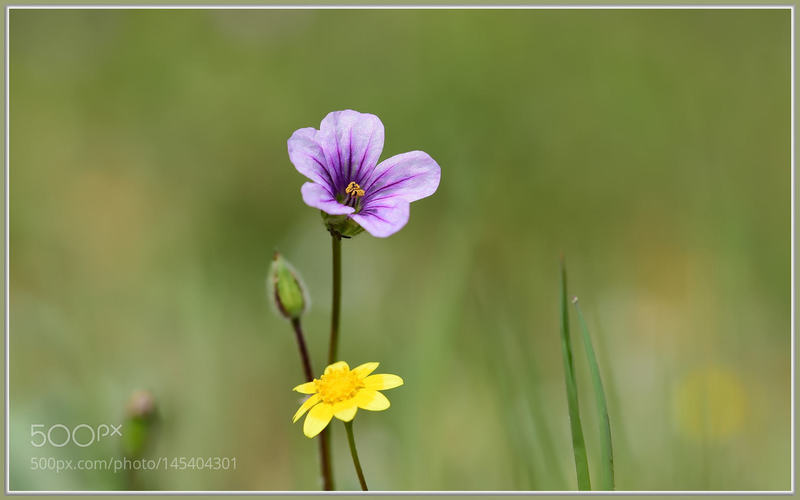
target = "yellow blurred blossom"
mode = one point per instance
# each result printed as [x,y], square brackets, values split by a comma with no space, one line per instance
[710,403]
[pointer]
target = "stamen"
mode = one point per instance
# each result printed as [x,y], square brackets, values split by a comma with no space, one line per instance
[354,190]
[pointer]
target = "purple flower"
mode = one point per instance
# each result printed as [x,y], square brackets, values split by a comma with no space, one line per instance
[341,159]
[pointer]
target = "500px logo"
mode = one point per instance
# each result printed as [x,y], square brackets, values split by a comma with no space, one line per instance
[82,435]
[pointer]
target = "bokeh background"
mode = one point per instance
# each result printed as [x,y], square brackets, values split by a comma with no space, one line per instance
[150,185]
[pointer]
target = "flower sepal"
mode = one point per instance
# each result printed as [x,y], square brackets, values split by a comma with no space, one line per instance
[341,225]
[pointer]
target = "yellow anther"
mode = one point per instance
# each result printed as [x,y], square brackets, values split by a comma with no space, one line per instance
[354,190]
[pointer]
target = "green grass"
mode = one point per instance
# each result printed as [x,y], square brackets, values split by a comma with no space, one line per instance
[578,443]
[607,462]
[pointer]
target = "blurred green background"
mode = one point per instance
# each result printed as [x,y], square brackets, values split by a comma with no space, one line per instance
[150,184]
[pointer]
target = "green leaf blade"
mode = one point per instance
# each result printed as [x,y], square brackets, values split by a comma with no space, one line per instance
[578,443]
[607,450]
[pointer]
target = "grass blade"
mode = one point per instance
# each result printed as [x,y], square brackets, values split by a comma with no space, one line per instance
[607,469]
[578,443]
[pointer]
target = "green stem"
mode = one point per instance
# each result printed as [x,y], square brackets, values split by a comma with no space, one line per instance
[131,479]
[301,345]
[325,435]
[324,448]
[354,454]
[336,242]
[325,456]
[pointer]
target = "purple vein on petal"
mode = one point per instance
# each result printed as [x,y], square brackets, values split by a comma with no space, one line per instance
[341,169]
[387,186]
[371,209]
[350,156]
[378,178]
[387,197]
[373,214]
[324,168]
[363,157]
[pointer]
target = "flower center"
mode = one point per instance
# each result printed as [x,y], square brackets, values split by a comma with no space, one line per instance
[352,196]
[354,190]
[338,385]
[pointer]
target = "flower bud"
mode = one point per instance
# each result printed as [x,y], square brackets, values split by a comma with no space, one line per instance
[286,288]
[142,405]
[140,421]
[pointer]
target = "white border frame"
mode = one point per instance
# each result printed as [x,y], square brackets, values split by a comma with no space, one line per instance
[389,7]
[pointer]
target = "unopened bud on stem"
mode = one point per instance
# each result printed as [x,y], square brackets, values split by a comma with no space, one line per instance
[142,404]
[140,419]
[286,288]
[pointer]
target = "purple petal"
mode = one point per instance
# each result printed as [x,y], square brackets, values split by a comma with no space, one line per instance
[308,157]
[352,142]
[317,196]
[383,218]
[408,176]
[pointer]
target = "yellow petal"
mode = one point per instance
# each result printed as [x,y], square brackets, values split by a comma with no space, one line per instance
[317,419]
[337,366]
[307,388]
[365,369]
[382,381]
[345,410]
[343,405]
[369,399]
[308,403]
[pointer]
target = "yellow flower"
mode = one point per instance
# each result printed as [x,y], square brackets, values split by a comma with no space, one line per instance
[340,392]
